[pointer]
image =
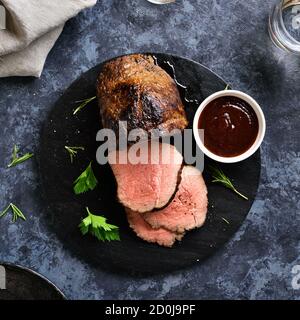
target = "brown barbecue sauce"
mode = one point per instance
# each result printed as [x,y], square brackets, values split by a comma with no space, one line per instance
[230,126]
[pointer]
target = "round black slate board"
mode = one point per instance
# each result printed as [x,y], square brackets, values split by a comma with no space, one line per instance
[25,284]
[132,254]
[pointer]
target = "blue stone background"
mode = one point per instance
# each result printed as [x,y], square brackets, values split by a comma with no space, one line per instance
[231,38]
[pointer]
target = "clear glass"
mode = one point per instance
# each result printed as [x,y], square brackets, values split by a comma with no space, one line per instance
[284,25]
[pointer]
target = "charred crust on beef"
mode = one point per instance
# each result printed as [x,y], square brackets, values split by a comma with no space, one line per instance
[135,89]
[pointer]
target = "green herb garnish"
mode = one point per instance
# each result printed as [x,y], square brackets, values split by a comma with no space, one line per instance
[16,213]
[86,181]
[227,87]
[73,151]
[83,104]
[16,159]
[97,226]
[219,177]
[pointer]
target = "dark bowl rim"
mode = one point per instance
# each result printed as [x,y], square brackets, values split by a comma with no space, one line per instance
[34,273]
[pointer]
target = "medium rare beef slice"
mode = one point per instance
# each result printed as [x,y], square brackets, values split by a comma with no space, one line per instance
[135,89]
[188,209]
[146,186]
[143,230]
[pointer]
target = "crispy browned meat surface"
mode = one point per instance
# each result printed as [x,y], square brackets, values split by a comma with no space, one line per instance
[134,89]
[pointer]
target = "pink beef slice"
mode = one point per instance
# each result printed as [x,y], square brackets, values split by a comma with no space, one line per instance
[143,230]
[146,186]
[188,209]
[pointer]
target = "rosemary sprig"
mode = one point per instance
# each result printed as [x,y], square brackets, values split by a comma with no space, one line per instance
[220,177]
[16,159]
[225,220]
[83,104]
[16,212]
[73,151]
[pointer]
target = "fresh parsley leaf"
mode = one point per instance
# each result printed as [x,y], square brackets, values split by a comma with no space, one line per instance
[83,104]
[86,181]
[73,151]
[97,227]
[220,177]
[16,212]
[16,159]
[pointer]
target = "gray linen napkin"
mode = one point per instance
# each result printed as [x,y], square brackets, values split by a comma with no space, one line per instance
[32,28]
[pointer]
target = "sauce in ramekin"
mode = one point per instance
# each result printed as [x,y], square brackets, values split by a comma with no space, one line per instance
[230,126]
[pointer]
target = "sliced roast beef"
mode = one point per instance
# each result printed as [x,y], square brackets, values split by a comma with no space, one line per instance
[188,208]
[152,181]
[143,230]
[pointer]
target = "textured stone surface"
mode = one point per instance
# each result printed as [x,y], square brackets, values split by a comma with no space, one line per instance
[229,37]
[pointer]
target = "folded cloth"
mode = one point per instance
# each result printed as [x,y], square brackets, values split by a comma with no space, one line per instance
[29,61]
[33,27]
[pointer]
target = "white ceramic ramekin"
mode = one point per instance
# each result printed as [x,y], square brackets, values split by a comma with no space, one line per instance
[261,126]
